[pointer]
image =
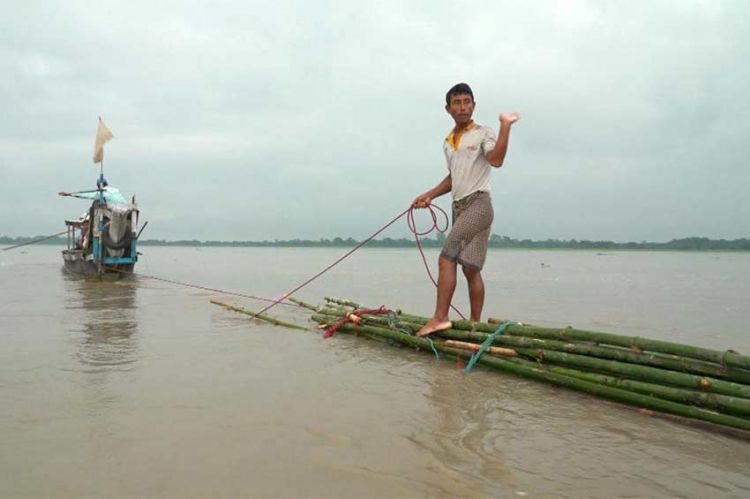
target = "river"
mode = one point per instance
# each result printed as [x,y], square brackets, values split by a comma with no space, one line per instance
[142,388]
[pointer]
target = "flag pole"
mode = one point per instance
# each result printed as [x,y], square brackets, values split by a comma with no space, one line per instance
[100,183]
[103,134]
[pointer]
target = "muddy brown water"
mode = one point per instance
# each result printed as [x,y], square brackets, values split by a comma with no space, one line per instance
[141,388]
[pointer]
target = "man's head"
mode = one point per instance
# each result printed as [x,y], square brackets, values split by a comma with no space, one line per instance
[458,89]
[459,102]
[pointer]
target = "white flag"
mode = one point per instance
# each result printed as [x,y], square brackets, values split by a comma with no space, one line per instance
[102,135]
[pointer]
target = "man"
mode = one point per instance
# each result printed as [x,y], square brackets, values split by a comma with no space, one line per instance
[471,151]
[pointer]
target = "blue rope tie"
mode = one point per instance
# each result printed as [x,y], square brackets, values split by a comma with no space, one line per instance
[434,350]
[395,324]
[488,343]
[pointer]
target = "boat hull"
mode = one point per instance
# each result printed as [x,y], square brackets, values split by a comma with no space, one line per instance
[75,263]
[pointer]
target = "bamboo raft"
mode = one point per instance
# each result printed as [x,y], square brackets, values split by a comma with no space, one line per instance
[671,378]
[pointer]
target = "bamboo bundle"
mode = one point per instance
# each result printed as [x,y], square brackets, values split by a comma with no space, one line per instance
[668,377]
[545,347]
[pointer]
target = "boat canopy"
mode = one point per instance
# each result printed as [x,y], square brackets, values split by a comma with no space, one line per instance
[111,195]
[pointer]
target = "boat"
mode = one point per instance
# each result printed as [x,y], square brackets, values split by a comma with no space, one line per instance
[103,240]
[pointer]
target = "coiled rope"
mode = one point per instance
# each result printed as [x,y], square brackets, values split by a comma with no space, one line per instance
[412,227]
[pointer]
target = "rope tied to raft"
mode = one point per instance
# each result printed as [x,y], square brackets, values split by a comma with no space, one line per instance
[487,343]
[412,227]
[432,345]
[355,317]
[396,325]
[194,286]
[33,242]
[339,260]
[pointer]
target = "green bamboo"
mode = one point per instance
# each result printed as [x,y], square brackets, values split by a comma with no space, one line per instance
[514,366]
[346,303]
[663,361]
[275,322]
[673,363]
[633,371]
[728,358]
[406,339]
[644,373]
[613,393]
[302,304]
[722,403]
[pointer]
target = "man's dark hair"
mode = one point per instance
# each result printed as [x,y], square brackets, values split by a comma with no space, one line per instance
[458,89]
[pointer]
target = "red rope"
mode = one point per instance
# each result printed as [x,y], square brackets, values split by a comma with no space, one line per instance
[350,317]
[289,293]
[196,286]
[412,228]
[34,241]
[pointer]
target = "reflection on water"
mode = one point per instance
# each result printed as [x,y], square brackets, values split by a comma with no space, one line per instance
[504,436]
[106,312]
[464,430]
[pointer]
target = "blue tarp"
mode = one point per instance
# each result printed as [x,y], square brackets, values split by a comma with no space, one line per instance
[111,195]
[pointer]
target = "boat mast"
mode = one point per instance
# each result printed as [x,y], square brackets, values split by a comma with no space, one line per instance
[103,134]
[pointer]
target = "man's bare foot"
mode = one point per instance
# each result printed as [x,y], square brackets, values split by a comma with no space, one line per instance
[433,326]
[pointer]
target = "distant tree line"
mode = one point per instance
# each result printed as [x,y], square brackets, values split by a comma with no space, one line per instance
[687,243]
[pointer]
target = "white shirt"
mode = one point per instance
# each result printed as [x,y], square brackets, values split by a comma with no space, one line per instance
[467,162]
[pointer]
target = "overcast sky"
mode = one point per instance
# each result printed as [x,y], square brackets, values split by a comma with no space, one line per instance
[244,120]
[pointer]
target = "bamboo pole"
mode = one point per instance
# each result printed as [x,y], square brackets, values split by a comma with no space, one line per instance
[722,403]
[663,361]
[346,303]
[727,358]
[463,345]
[266,318]
[302,304]
[644,373]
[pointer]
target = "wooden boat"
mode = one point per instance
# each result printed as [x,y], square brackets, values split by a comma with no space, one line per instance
[104,239]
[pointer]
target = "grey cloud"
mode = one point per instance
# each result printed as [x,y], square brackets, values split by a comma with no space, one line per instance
[248,121]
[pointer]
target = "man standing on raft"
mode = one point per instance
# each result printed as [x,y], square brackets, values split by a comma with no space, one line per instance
[470,150]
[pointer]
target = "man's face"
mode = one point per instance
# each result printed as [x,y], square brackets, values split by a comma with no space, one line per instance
[461,108]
